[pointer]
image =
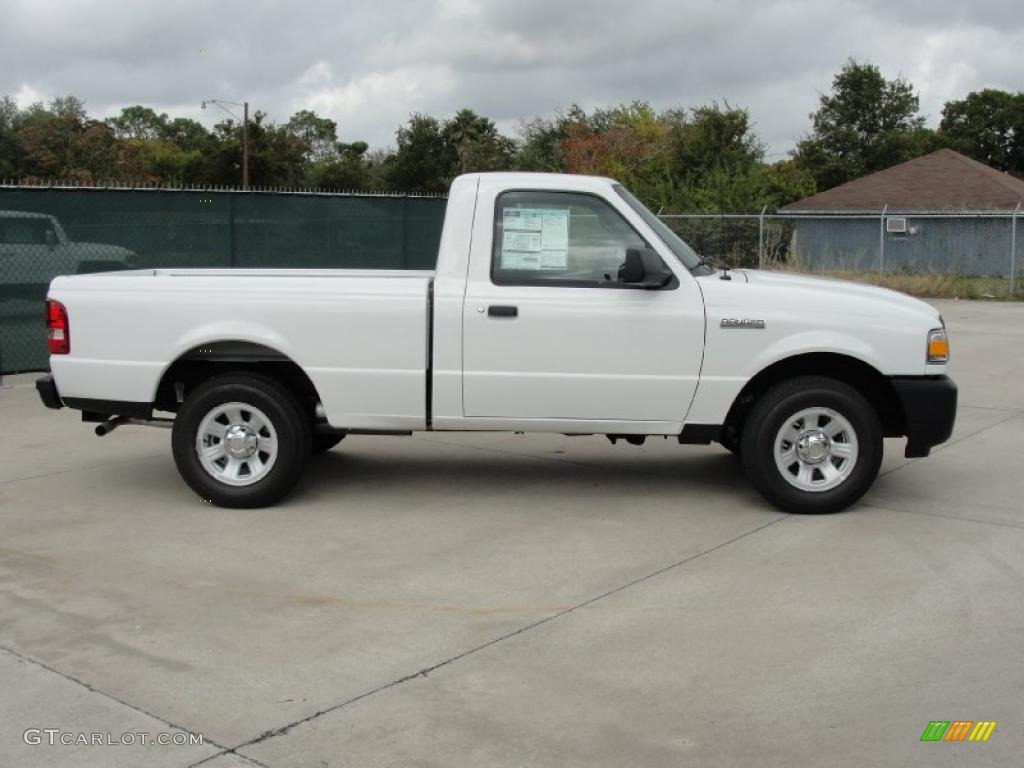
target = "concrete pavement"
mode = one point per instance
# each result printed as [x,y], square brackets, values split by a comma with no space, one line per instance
[517,600]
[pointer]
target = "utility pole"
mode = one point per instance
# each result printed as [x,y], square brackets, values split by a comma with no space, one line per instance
[245,146]
[245,131]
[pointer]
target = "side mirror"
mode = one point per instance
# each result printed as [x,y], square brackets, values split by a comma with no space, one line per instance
[643,268]
[51,239]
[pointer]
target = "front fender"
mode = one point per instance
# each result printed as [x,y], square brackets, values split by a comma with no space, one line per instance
[809,342]
[733,356]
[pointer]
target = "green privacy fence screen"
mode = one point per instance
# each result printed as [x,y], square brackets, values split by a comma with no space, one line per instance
[45,232]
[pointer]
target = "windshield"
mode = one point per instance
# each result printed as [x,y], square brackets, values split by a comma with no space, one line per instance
[676,244]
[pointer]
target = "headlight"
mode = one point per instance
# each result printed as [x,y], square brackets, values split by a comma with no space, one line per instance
[938,346]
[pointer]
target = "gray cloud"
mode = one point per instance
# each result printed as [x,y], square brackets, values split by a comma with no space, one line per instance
[369,65]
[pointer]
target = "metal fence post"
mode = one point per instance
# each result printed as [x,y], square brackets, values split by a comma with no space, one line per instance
[404,229]
[231,229]
[881,241]
[1013,250]
[760,238]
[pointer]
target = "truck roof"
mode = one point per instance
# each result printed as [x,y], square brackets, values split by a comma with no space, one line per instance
[516,178]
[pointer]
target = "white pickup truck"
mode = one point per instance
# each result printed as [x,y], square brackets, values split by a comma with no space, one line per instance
[34,249]
[559,304]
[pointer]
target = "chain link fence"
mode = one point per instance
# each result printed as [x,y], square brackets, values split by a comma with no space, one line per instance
[967,243]
[50,231]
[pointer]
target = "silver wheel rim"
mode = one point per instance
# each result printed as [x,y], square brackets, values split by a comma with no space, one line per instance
[236,444]
[816,449]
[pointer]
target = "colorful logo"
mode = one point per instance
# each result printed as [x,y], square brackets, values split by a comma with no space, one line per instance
[958,730]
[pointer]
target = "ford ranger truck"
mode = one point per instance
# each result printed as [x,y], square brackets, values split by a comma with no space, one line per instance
[559,304]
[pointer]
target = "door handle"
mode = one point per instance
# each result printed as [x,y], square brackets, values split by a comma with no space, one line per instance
[502,310]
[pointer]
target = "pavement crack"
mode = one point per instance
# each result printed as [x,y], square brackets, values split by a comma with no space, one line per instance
[72,470]
[951,443]
[93,689]
[978,520]
[423,673]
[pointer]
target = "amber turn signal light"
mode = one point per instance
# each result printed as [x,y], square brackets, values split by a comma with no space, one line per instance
[938,346]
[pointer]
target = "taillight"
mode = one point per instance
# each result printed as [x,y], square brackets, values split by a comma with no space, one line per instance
[58,333]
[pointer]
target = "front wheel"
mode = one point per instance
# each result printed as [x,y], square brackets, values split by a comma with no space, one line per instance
[812,445]
[241,440]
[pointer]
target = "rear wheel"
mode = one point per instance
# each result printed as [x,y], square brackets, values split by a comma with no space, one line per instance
[241,440]
[812,445]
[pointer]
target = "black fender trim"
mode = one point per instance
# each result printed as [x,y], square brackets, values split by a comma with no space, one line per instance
[700,434]
[929,410]
[101,410]
[47,389]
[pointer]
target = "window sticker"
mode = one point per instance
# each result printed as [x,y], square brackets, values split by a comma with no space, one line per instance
[535,239]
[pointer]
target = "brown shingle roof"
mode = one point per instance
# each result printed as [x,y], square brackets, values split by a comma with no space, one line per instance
[942,180]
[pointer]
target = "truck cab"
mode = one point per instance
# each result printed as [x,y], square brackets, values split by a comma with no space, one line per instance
[534,325]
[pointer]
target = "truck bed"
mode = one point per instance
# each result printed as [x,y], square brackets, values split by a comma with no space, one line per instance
[360,335]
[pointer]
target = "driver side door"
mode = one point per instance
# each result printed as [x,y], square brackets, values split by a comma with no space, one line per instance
[551,333]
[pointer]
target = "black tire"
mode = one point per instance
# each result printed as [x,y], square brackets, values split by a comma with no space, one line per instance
[324,441]
[783,402]
[280,406]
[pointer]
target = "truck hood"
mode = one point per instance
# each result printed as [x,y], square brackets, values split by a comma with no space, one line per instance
[764,317]
[98,249]
[758,288]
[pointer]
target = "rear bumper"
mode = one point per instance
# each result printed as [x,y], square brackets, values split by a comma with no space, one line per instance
[47,389]
[92,410]
[929,410]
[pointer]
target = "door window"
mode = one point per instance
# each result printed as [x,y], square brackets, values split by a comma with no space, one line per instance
[24,231]
[559,238]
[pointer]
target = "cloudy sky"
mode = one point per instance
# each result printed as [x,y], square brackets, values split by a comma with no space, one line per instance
[368,65]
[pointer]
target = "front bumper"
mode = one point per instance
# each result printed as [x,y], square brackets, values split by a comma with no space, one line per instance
[47,389]
[929,411]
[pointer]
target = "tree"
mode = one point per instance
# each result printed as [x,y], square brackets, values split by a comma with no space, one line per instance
[716,157]
[430,153]
[424,160]
[477,144]
[152,148]
[138,122]
[349,170]
[631,143]
[276,156]
[987,125]
[708,158]
[865,124]
[187,134]
[781,183]
[540,144]
[319,135]
[11,149]
[60,141]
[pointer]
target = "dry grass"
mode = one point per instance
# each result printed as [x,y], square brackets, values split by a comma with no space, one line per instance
[925,285]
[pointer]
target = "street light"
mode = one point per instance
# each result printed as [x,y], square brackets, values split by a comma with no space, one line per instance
[245,131]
